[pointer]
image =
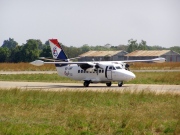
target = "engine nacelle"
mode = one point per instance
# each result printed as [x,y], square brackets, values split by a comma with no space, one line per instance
[93,69]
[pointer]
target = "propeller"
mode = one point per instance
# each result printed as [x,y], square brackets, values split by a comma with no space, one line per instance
[127,66]
[97,66]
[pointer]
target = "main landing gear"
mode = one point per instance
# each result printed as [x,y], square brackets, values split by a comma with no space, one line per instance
[108,84]
[86,83]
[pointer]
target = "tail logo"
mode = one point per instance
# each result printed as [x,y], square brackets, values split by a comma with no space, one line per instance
[55,52]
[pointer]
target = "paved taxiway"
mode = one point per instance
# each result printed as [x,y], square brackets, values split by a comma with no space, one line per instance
[92,87]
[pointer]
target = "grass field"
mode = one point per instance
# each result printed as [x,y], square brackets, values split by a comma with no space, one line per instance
[141,78]
[51,67]
[88,113]
[156,66]
[25,67]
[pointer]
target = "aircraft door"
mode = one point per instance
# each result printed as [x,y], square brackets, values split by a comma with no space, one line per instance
[109,72]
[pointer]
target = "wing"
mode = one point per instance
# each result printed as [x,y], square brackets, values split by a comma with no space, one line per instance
[40,63]
[50,59]
[90,64]
[157,60]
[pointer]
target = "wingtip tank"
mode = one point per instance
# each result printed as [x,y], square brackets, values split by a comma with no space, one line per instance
[37,63]
[159,60]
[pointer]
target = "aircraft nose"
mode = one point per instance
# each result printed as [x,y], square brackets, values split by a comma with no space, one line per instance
[130,75]
[125,75]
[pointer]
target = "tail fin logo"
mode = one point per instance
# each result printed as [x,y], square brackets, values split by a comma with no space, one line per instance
[55,52]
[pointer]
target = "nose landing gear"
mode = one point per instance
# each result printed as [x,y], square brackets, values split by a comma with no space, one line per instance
[120,84]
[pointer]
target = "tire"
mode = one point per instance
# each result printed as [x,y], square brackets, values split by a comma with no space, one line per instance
[86,83]
[120,84]
[108,84]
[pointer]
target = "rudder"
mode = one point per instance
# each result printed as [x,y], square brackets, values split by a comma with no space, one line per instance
[57,51]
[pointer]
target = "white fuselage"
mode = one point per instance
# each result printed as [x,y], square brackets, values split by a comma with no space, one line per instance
[92,71]
[107,73]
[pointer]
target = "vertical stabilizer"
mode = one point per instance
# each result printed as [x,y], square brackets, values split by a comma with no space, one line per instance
[57,51]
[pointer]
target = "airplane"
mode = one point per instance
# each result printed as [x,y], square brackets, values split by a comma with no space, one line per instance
[91,71]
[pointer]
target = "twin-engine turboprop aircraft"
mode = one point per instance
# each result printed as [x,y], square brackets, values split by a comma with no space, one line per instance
[92,71]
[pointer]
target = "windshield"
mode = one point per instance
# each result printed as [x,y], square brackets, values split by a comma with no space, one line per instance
[112,68]
[118,67]
[115,67]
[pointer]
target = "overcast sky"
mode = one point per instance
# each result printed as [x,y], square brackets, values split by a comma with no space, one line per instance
[92,22]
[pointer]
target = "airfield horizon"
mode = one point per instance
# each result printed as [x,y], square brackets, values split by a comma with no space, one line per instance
[50,67]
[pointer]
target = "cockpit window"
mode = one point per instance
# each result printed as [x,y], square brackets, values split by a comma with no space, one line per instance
[112,68]
[118,67]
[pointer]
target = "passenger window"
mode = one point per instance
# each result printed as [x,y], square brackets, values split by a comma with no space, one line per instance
[99,71]
[113,68]
[102,71]
[78,71]
[110,68]
[81,71]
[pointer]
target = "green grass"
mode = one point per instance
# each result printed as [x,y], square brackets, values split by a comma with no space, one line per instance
[88,113]
[35,77]
[156,78]
[141,78]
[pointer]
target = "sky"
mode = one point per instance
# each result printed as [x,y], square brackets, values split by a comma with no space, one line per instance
[92,22]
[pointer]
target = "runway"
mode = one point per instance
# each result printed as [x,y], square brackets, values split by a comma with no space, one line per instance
[93,87]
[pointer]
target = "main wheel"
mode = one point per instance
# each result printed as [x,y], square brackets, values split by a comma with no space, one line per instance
[108,84]
[120,84]
[86,83]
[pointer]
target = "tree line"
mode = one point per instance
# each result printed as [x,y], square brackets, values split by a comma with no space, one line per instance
[11,51]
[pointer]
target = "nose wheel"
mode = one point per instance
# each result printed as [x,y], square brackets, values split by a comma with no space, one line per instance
[120,84]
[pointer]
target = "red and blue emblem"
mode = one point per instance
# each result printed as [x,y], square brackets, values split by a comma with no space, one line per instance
[55,52]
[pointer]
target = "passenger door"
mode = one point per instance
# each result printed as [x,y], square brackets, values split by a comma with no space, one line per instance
[109,72]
